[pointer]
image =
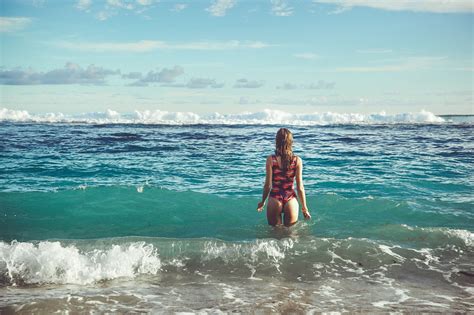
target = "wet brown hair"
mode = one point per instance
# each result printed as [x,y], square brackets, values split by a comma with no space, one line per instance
[283,147]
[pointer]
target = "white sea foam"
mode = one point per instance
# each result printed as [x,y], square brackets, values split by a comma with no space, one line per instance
[82,187]
[466,236]
[443,235]
[267,249]
[267,116]
[261,253]
[388,250]
[52,262]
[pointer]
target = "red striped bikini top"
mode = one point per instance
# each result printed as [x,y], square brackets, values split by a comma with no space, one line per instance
[283,180]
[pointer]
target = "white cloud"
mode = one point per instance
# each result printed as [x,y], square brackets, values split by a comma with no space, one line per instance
[197,83]
[407,64]
[104,15]
[145,2]
[307,56]
[123,4]
[140,46]
[179,7]
[113,7]
[166,75]
[470,69]
[38,3]
[323,100]
[220,7]
[71,74]
[281,8]
[132,75]
[201,83]
[287,86]
[339,10]
[388,68]
[151,45]
[321,85]
[12,24]
[246,101]
[435,6]
[83,5]
[374,51]
[247,84]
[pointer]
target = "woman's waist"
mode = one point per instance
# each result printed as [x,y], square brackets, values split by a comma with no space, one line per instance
[282,186]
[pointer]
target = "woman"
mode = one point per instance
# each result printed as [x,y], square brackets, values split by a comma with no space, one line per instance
[282,167]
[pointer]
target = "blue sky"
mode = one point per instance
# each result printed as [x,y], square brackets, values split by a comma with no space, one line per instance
[232,56]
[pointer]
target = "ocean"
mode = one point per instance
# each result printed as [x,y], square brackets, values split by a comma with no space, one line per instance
[155,211]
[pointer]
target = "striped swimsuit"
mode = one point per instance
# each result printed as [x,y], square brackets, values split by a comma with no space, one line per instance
[282,184]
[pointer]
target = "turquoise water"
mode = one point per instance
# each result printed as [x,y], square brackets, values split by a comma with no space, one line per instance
[94,212]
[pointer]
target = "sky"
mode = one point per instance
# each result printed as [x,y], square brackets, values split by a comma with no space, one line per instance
[231,56]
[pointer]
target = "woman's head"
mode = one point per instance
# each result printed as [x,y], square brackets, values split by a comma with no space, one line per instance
[283,147]
[283,141]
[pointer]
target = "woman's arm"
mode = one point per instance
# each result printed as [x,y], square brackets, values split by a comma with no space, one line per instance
[268,183]
[300,188]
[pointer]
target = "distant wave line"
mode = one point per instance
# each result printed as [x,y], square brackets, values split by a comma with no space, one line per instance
[267,116]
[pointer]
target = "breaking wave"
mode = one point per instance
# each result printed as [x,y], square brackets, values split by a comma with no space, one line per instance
[52,262]
[96,260]
[267,116]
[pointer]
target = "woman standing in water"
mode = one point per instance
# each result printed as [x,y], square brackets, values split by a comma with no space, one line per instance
[281,170]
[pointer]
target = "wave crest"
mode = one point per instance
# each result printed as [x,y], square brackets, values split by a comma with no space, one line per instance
[267,116]
[51,262]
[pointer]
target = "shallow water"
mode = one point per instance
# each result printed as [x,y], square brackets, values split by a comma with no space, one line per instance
[146,217]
